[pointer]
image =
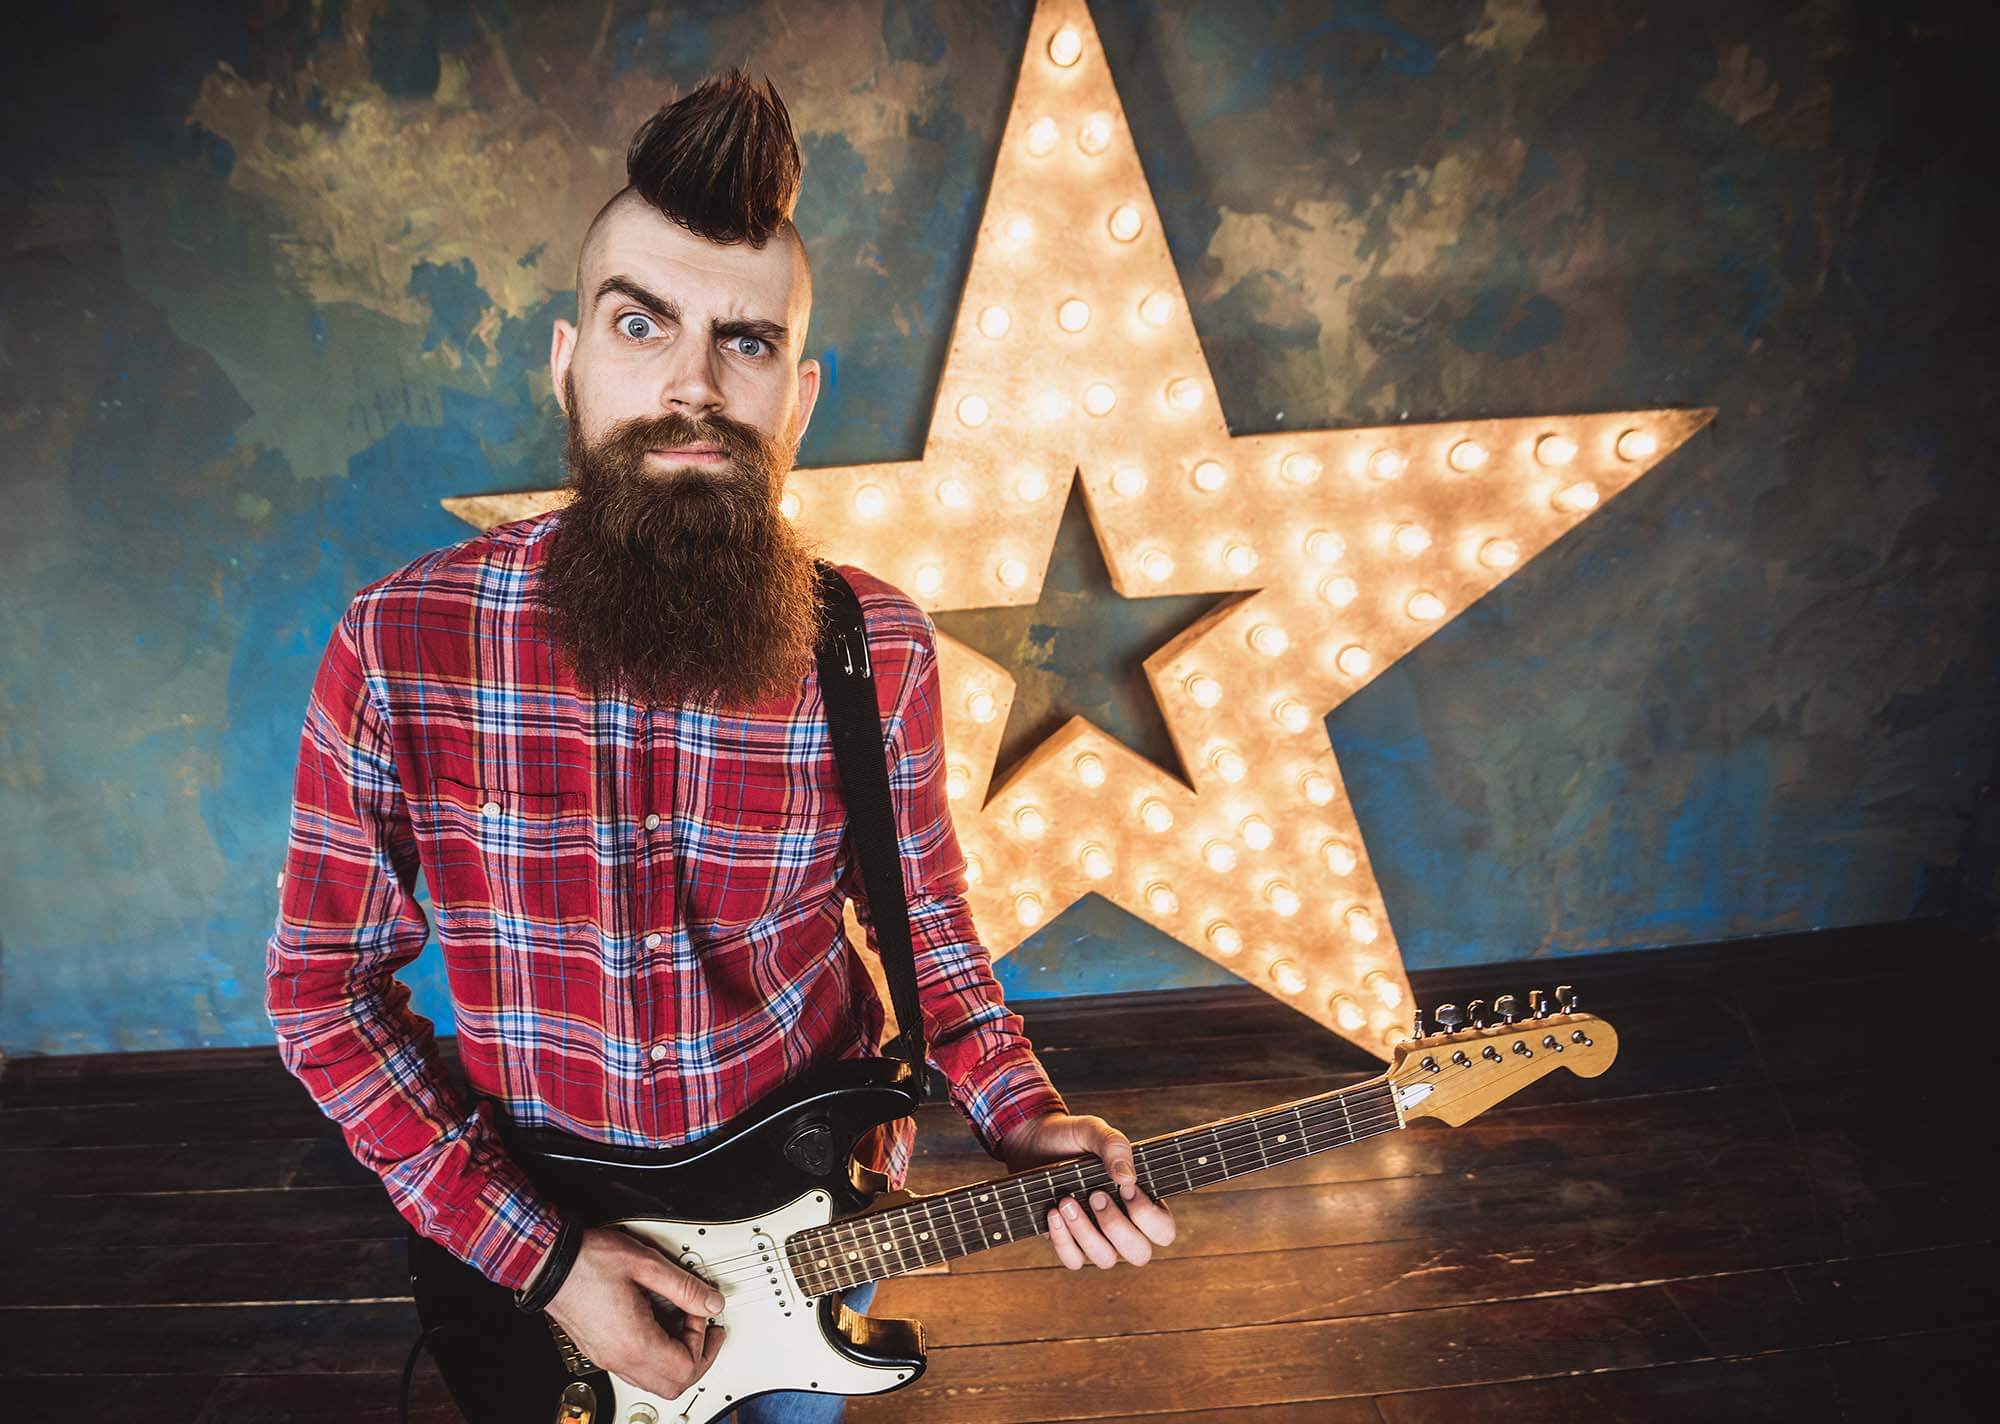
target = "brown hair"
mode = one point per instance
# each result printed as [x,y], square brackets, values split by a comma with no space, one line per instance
[721,160]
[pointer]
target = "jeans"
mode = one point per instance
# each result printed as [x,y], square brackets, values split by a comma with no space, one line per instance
[801,1406]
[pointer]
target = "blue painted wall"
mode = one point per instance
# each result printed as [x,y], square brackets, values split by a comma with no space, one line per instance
[276,278]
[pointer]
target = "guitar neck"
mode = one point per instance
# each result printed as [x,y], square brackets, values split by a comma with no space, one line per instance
[940,1228]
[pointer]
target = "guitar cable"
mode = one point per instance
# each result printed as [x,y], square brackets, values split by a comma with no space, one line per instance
[410,1365]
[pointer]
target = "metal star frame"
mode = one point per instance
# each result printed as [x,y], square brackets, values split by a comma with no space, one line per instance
[1074,357]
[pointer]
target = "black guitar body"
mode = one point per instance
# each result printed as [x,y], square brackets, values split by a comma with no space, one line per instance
[502,1365]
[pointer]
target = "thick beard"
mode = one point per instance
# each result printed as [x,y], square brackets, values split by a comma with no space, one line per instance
[683,586]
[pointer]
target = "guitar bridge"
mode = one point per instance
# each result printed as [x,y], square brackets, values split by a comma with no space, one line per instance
[574,1360]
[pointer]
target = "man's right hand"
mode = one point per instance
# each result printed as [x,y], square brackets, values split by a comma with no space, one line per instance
[607,1305]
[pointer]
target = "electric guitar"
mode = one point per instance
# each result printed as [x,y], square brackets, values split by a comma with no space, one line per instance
[775,1213]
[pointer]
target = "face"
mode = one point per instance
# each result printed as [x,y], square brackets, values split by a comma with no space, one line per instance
[671,575]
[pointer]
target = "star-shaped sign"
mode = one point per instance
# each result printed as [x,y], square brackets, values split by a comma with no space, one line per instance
[1074,357]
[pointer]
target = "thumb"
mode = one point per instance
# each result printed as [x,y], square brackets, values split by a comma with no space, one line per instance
[691,1294]
[1116,1150]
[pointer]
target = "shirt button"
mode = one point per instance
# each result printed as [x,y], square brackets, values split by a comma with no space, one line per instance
[491,808]
[652,823]
[659,1053]
[653,941]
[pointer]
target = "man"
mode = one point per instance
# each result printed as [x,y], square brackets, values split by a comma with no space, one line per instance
[595,733]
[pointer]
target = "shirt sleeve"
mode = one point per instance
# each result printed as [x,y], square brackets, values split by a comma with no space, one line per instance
[976,1041]
[347,921]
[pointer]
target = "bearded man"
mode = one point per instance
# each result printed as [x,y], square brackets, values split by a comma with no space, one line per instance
[599,735]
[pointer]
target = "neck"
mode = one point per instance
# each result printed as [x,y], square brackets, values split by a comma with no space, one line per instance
[935,1229]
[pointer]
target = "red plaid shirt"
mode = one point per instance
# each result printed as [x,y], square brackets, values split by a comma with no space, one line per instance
[639,907]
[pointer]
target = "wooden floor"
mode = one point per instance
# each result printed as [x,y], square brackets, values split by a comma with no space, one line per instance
[1776,1205]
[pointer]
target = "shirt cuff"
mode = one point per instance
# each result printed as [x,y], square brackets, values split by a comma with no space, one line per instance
[1013,1091]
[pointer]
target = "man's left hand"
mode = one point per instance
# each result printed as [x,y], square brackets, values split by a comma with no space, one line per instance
[1127,1225]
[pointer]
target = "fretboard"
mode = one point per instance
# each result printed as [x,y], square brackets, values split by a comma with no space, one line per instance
[935,1229]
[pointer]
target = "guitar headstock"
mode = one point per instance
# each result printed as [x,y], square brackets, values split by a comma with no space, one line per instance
[1481,1055]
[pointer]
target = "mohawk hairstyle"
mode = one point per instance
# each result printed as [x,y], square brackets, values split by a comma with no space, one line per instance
[721,160]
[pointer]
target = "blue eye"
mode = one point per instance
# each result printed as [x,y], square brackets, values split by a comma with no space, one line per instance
[635,326]
[758,339]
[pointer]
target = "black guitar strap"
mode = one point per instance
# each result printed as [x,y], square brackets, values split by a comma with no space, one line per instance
[854,721]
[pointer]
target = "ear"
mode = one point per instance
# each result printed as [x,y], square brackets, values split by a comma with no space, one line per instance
[808,393]
[562,346]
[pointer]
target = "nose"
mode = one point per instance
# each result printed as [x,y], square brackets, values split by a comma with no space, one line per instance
[688,386]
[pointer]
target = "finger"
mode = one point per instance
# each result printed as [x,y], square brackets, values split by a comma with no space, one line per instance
[1066,1248]
[1088,1235]
[711,1346]
[689,1292]
[1133,1246]
[1152,1218]
[1115,1150]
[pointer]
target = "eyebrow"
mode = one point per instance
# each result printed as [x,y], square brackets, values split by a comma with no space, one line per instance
[667,310]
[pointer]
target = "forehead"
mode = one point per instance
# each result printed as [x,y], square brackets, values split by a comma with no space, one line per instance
[636,241]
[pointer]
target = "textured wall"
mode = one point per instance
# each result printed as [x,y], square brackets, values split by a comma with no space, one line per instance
[277,277]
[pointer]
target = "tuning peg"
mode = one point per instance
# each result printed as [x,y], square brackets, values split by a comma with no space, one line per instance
[1417,1025]
[1475,1013]
[1450,1016]
[1538,1005]
[1508,1007]
[1565,999]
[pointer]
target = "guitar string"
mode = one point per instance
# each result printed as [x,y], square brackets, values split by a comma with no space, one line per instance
[1330,1121]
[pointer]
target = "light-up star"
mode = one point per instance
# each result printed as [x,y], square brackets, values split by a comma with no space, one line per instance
[1074,356]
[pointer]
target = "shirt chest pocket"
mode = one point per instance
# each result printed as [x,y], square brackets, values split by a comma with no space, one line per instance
[767,837]
[520,854]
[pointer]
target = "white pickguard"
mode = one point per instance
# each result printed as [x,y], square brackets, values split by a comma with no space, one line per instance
[774,1338]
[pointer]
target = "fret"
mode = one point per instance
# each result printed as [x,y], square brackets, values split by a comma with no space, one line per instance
[1341,1098]
[1180,1153]
[1305,1137]
[1028,1208]
[1257,1136]
[931,1231]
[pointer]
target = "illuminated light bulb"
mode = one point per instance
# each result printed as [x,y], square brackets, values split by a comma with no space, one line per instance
[1256,832]
[1388,464]
[981,706]
[1012,572]
[1184,393]
[1095,134]
[1288,977]
[1220,855]
[1099,399]
[1018,231]
[1339,856]
[1299,467]
[1031,485]
[956,779]
[1425,606]
[1637,445]
[1269,639]
[1499,553]
[1555,449]
[1157,309]
[1318,788]
[1090,769]
[1354,660]
[1239,559]
[1028,907]
[975,870]
[972,411]
[1050,405]
[1361,924]
[1338,592]
[1292,715]
[1065,45]
[1095,860]
[789,505]
[1161,899]
[1576,498]
[1155,815]
[1384,988]
[1467,455]
[1209,476]
[1073,315]
[1205,690]
[1155,565]
[930,578]
[1125,222]
[1284,899]
[1225,938]
[953,494]
[1325,547]
[1030,822]
[1347,1013]
[869,501]
[995,323]
[1412,539]
[1042,136]
[1228,764]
